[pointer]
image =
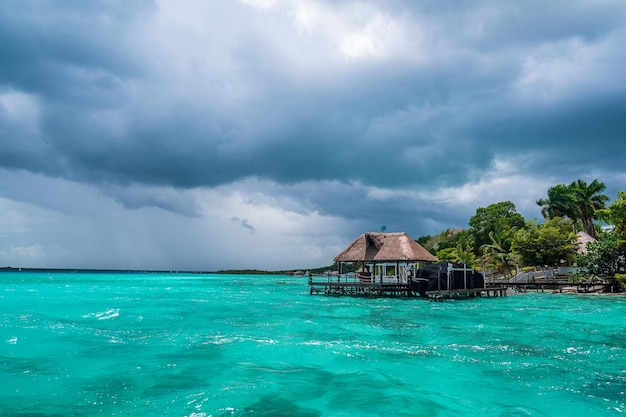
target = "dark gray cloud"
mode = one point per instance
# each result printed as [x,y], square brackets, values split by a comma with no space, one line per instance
[372,112]
[243,223]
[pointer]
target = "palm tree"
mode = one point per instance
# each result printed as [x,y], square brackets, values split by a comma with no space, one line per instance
[560,203]
[498,254]
[588,199]
[615,214]
[465,251]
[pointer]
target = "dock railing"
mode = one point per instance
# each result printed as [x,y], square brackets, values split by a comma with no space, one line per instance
[354,283]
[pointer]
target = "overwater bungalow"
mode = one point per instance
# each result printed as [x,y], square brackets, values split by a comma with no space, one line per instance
[395,254]
[389,262]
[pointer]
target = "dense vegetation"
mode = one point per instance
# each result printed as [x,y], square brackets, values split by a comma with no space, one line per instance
[501,240]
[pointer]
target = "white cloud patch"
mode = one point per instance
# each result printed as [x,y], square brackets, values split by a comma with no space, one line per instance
[260,4]
[19,108]
[504,181]
[569,68]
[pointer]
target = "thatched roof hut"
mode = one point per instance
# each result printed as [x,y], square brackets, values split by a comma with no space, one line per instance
[583,238]
[385,247]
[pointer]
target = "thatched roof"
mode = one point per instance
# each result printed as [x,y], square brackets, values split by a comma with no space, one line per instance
[385,247]
[583,239]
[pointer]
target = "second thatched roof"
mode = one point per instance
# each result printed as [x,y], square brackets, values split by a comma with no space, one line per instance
[583,238]
[385,247]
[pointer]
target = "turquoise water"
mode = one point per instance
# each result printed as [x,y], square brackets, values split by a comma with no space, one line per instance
[210,345]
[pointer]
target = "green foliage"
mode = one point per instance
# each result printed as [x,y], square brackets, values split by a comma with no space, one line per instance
[615,214]
[621,281]
[497,254]
[560,203]
[465,249]
[492,229]
[604,258]
[447,239]
[501,215]
[423,240]
[454,246]
[578,201]
[545,244]
[447,255]
[503,240]
[588,198]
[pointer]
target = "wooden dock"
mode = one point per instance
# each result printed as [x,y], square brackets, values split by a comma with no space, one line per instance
[562,287]
[354,285]
[389,287]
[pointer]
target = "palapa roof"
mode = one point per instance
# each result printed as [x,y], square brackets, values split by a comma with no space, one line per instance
[385,247]
[583,238]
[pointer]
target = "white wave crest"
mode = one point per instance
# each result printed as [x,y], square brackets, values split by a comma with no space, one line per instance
[104,315]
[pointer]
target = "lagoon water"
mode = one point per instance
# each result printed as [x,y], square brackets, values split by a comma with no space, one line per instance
[75,344]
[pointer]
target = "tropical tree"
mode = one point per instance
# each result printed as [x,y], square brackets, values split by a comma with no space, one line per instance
[448,255]
[486,219]
[604,257]
[615,214]
[546,244]
[465,250]
[497,254]
[560,203]
[448,239]
[578,201]
[589,199]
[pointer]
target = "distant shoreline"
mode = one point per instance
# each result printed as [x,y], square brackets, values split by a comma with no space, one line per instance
[102,271]
[144,271]
[159,271]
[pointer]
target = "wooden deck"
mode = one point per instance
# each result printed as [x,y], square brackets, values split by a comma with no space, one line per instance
[389,287]
[356,286]
[562,287]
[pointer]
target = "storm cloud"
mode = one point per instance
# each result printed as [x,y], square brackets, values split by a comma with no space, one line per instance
[284,128]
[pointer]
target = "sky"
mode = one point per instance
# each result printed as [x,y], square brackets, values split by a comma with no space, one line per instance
[204,135]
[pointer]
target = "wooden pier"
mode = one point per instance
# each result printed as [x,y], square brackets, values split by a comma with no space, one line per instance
[563,287]
[389,286]
[350,284]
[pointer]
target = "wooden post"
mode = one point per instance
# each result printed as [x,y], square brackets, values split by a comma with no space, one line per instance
[465,276]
